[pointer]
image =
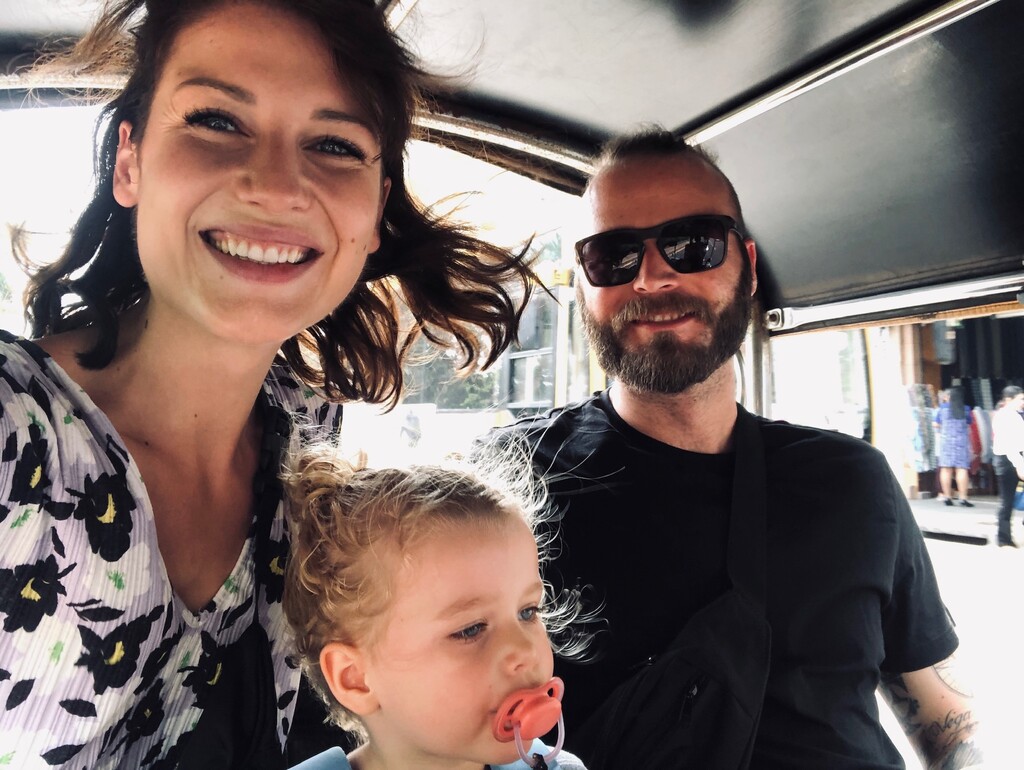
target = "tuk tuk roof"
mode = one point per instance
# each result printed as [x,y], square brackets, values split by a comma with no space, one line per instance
[874,145]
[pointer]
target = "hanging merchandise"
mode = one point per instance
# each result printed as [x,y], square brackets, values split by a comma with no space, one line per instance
[944,338]
[921,428]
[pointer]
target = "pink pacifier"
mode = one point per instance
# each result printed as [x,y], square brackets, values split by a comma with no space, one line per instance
[530,714]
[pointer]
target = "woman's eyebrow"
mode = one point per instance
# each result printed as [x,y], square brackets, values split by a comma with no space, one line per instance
[344,117]
[247,97]
[236,92]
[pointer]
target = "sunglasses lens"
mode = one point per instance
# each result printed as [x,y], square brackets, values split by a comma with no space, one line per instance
[695,245]
[689,245]
[610,259]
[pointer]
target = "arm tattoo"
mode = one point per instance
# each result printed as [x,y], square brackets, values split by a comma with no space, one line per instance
[963,755]
[947,673]
[950,739]
[947,740]
[903,706]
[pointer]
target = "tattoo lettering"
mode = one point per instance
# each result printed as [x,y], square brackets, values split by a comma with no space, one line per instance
[950,739]
[954,724]
[946,741]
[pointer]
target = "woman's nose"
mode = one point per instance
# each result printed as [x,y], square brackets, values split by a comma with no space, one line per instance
[273,178]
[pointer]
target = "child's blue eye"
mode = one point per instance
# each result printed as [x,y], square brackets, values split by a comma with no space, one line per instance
[215,120]
[528,614]
[332,145]
[469,633]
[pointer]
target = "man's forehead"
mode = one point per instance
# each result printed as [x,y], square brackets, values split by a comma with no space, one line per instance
[645,190]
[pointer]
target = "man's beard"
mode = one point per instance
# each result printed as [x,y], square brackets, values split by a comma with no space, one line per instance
[665,364]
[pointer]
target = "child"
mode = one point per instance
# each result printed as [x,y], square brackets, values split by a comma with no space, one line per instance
[418,611]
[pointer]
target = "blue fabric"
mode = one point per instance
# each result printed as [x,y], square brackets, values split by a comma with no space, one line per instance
[334,759]
[955,449]
[1018,499]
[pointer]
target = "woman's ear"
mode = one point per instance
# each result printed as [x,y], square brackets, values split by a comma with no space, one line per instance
[385,190]
[343,668]
[126,167]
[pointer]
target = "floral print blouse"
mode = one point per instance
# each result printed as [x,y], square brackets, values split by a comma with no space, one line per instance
[101,665]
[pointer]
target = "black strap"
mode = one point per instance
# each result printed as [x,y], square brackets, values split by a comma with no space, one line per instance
[698,705]
[748,520]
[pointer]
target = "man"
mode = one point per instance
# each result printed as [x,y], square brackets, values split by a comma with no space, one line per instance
[758,581]
[1008,456]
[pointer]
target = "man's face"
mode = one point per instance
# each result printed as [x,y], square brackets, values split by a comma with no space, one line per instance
[665,331]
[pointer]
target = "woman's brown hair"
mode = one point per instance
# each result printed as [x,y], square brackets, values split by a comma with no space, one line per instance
[458,290]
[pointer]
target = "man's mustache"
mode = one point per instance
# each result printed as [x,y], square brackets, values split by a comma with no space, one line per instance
[645,308]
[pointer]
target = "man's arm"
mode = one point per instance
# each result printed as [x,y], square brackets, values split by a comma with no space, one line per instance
[934,710]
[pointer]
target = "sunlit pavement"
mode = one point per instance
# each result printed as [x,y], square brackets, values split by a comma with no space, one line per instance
[983,587]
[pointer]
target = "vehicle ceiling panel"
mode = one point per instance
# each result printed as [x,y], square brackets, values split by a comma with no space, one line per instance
[24,22]
[900,174]
[897,174]
[603,66]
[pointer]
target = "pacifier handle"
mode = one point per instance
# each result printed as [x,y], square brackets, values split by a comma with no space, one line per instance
[529,714]
[529,759]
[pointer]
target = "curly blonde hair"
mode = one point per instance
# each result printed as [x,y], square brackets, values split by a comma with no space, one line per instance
[345,518]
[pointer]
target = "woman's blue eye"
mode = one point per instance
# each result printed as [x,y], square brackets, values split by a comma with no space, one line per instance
[213,120]
[529,614]
[332,145]
[469,633]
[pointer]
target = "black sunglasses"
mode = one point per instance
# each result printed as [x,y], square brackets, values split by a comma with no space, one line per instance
[688,244]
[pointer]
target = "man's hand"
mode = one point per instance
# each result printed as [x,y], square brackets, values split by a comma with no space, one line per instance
[934,710]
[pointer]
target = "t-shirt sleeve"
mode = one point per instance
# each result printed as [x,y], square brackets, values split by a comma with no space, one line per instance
[916,626]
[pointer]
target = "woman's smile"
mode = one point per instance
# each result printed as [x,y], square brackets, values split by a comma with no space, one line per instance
[264,253]
[276,172]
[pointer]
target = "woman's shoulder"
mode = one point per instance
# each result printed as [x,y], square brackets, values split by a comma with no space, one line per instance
[37,393]
[22,359]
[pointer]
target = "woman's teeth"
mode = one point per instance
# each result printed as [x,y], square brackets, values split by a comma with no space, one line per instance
[268,255]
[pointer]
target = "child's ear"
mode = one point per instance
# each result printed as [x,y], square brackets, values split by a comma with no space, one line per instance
[343,668]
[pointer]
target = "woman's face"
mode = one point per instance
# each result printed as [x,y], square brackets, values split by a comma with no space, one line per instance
[258,184]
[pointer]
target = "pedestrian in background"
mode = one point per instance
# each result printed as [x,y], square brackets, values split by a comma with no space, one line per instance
[952,422]
[1008,455]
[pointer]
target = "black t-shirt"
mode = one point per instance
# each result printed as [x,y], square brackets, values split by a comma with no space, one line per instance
[850,588]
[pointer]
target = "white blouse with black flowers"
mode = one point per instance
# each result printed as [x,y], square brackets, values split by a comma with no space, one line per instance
[101,665]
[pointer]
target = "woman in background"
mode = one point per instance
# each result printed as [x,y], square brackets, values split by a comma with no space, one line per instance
[952,420]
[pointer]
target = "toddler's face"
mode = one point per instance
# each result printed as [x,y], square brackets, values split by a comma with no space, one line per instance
[462,633]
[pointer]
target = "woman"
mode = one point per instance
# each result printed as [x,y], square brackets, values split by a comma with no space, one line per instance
[245,255]
[953,420]
[1008,456]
